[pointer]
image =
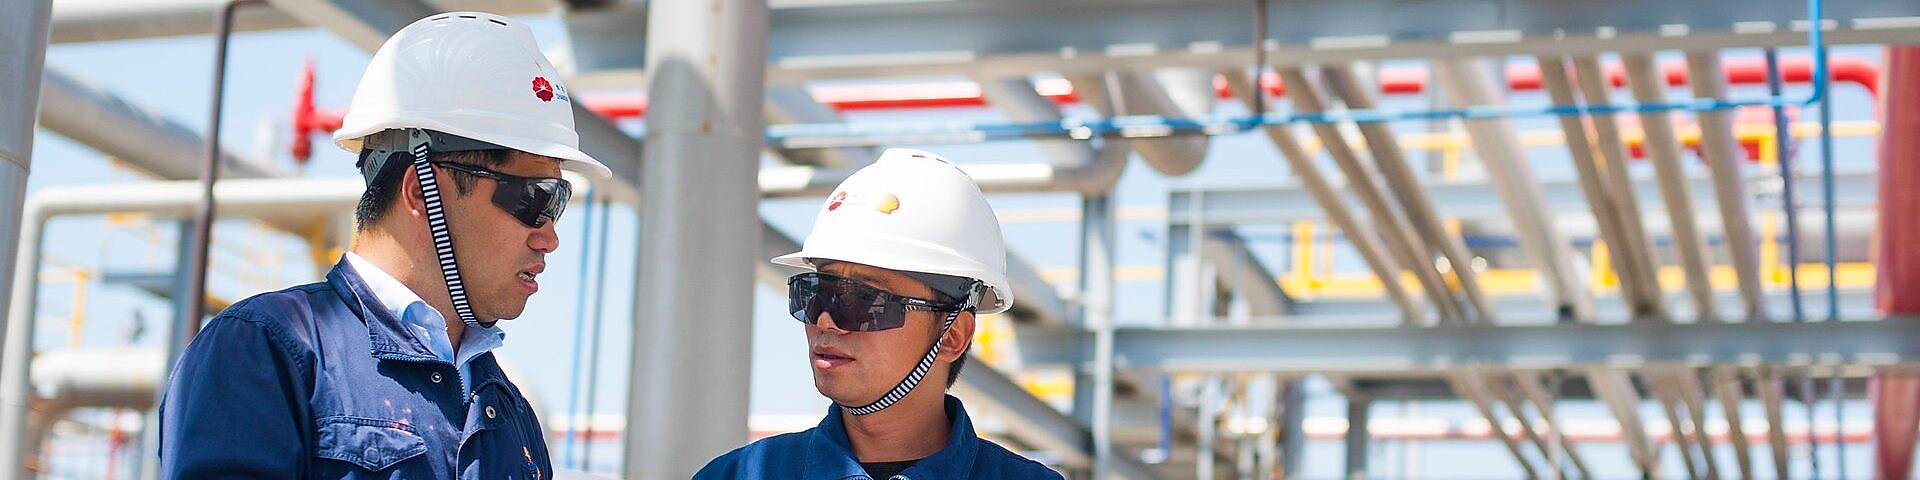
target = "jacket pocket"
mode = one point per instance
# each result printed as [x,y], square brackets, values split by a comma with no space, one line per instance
[370,443]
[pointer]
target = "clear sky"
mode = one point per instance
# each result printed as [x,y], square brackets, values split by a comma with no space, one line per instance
[170,77]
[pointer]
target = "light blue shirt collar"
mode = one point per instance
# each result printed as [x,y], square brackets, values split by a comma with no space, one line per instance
[424,322]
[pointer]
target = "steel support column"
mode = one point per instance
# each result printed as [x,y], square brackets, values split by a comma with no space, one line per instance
[701,210]
[1358,416]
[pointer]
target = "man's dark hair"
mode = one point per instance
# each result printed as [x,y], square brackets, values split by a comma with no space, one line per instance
[384,190]
[953,374]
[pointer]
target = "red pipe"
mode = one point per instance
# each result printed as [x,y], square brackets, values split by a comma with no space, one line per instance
[1896,395]
[1393,81]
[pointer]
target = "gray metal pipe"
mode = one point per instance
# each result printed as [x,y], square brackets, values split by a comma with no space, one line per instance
[1466,84]
[1717,142]
[1559,87]
[148,141]
[23,49]
[1400,239]
[1142,93]
[1636,246]
[1404,186]
[1359,234]
[1663,150]
[703,155]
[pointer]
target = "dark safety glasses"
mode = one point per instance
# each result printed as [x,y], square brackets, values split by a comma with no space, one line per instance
[855,306]
[532,201]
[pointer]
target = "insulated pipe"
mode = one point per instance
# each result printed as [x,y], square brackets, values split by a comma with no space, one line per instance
[1767,386]
[1663,149]
[1359,234]
[1636,245]
[237,197]
[1721,152]
[1143,94]
[148,141]
[1599,198]
[1405,186]
[1513,178]
[1693,395]
[1496,385]
[1364,181]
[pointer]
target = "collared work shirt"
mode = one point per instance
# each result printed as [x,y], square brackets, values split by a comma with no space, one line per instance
[322,381]
[824,453]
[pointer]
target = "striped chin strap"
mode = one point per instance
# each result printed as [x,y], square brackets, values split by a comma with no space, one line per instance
[913,378]
[419,142]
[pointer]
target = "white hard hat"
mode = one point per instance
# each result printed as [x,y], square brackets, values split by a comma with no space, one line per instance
[912,211]
[470,74]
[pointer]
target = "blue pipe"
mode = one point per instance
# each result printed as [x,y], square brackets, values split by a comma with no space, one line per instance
[579,330]
[593,351]
[1790,202]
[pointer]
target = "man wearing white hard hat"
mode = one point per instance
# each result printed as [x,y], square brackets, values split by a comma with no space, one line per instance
[902,256]
[385,370]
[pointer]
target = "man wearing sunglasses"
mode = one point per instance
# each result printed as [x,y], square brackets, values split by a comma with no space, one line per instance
[902,256]
[385,369]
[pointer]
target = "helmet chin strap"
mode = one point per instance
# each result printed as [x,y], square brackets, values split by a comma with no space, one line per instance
[913,379]
[419,142]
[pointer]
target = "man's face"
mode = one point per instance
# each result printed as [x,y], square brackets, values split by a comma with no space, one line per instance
[499,257]
[855,368]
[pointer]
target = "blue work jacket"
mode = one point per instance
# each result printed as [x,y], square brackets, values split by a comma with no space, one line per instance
[319,382]
[823,453]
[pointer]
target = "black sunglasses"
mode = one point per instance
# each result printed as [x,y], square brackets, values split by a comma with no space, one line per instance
[855,306]
[532,201]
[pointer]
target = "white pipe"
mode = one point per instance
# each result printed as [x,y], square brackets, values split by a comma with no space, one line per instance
[1512,175]
[1404,185]
[117,127]
[23,49]
[1716,140]
[1663,150]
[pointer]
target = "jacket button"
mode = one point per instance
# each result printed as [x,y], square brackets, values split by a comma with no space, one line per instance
[435,377]
[490,413]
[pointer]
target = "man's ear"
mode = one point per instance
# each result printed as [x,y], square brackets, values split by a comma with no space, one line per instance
[412,197]
[958,339]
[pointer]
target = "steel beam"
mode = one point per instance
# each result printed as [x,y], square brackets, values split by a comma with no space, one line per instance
[1237,268]
[1224,204]
[1360,235]
[1358,350]
[1363,179]
[1467,85]
[1663,150]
